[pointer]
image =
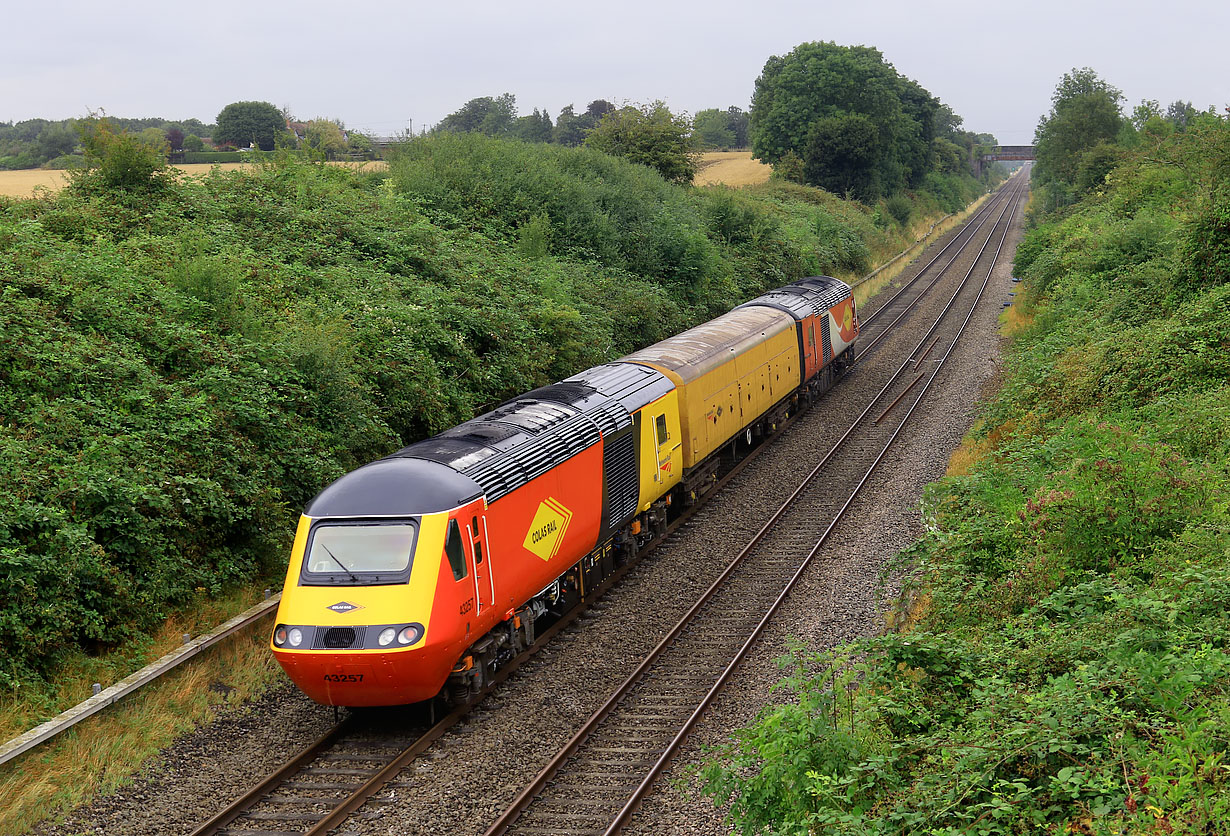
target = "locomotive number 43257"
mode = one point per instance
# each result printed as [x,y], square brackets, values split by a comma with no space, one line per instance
[343,677]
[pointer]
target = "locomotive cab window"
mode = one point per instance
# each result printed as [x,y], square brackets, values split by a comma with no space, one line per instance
[455,551]
[359,553]
[660,426]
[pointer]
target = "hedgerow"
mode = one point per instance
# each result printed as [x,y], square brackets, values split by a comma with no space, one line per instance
[1068,666]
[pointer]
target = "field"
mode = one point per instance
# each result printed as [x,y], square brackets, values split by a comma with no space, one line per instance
[731,168]
[23,183]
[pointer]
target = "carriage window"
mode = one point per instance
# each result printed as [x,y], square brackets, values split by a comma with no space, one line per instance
[663,435]
[455,551]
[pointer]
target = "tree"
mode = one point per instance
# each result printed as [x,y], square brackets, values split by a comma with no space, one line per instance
[823,80]
[325,136]
[737,123]
[650,135]
[571,129]
[245,124]
[56,140]
[1179,114]
[711,128]
[598,108]
[361,144]
[1084,112]
[156,139]
[192,142]
[841,156]
[175,138]
[533,128]
[491,116]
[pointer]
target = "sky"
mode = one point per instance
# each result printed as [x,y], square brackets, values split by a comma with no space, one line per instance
[387,66]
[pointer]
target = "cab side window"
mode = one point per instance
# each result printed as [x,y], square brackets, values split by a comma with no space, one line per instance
[663,436]
[455,552]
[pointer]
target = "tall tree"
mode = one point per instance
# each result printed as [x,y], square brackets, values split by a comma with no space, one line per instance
[571,129]
[245,124]
[1085,111]
[650,135]
[737,123]
[711,128]
[599,108]
[57,139]
[535,127]
[485,114]
[820,81]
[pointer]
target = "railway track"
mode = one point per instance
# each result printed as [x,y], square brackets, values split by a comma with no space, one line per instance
[597,780]
[353,764]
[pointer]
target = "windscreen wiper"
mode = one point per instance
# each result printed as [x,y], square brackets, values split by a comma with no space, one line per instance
[339,563]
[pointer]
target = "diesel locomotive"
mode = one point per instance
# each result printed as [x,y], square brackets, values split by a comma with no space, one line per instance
[427,570]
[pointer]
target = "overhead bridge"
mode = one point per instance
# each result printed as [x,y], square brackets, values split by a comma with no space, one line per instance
[1009,152]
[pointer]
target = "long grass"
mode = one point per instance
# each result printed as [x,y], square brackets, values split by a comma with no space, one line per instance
[102,753]
[886,248]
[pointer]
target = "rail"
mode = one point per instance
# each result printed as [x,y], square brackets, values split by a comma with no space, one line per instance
[109,696]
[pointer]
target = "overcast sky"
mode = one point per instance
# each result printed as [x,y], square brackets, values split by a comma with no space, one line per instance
[385,63]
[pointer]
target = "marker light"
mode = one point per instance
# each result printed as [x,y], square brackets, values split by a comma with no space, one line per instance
[386,636]
[279,636]
[410,634]
[296,637]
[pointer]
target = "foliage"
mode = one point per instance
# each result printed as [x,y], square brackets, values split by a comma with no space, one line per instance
[535,127]
[491,116]
[711,130]
[325,137]
[721,129]
[119,162]
[857,124]
[649,135]
[192,157]
[193,143]
[1068,667]
[841,156]
[175,138]
[1084,112]
[249,124]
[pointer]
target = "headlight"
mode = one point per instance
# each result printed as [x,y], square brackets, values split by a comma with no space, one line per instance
[279,636]
[296,637]
[386,636]
[410,634]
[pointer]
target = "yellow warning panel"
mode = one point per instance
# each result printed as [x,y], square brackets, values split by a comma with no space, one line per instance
[547,529]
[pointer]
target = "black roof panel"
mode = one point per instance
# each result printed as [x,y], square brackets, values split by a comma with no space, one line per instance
[395,487]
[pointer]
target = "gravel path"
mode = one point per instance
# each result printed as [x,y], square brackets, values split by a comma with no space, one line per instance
[469,776]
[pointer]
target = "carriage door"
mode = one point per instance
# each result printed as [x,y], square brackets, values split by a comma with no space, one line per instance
[484,583]
[662,446]
[812,364]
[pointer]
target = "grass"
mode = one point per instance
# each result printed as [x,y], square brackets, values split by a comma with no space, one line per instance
[102,753]
[918,229]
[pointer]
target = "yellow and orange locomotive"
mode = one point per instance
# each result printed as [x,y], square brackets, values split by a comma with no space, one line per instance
[430,568]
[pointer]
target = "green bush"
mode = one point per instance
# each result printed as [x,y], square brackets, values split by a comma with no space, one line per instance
[194,157]
[65,161]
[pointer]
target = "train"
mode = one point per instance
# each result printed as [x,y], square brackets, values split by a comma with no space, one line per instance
[422,573]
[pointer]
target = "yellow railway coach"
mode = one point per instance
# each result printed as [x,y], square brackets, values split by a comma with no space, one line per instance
[728,372]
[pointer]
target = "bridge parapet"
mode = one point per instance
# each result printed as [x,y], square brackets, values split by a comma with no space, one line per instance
[1010,152]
